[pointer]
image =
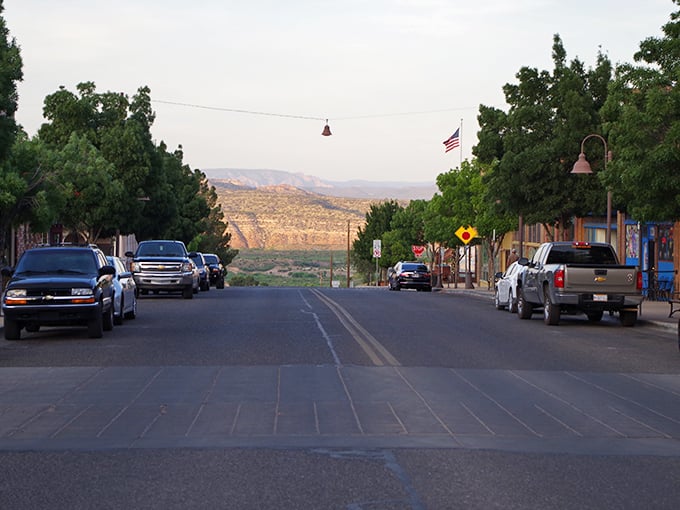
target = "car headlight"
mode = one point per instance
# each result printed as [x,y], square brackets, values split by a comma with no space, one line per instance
[16,297]
[186,267]
[81,291]
[16,293]
[133,267]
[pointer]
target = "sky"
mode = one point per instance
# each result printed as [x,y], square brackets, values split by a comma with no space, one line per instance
[249,84]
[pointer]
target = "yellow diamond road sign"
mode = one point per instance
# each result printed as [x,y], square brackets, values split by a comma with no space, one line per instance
[466,234]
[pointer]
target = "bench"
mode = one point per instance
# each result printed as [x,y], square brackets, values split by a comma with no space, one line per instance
[674,302]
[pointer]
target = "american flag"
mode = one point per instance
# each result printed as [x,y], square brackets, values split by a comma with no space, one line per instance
[453,141]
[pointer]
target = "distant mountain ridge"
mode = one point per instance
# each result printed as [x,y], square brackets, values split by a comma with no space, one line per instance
[257,178]
[274,209]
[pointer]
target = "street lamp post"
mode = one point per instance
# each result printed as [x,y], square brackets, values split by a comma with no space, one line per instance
[583,167]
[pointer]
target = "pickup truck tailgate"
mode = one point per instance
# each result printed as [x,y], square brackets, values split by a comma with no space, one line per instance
[609,279]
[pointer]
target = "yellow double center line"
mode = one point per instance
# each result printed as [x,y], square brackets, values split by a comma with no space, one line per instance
[373,349]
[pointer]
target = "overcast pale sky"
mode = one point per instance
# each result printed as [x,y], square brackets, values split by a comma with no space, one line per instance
[395,78]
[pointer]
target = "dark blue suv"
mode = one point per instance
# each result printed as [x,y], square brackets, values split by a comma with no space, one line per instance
[59,286]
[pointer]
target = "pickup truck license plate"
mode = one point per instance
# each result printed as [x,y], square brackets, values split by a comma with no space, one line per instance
[599,297]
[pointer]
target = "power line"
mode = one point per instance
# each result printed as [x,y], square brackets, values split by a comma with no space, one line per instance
[236,110]
[305,117]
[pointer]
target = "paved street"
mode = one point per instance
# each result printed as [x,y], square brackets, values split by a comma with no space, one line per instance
[325,378]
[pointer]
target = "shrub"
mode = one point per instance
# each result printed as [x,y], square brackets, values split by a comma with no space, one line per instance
[243,281]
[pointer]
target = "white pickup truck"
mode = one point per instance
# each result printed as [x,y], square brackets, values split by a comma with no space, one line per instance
[578,277]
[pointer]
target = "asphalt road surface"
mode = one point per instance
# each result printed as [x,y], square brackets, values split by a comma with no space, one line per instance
[333,398]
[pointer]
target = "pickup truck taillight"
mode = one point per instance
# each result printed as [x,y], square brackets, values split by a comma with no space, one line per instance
[559,279]
[638,280]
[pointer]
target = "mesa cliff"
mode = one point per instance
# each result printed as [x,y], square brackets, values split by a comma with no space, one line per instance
[284,217]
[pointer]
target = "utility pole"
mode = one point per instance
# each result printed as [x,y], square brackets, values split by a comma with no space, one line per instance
[348,254]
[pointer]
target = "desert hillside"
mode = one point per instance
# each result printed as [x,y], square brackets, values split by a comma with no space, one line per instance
[289,218]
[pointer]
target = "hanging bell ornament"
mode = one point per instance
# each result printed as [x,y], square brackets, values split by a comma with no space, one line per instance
[326,130]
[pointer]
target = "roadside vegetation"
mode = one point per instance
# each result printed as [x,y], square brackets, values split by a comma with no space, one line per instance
[281,268]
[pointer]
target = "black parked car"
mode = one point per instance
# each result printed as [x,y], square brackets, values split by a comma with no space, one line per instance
[410,275]
[59,286]
[217,270]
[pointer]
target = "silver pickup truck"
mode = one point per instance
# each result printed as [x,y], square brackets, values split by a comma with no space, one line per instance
[578,277]
[164,265]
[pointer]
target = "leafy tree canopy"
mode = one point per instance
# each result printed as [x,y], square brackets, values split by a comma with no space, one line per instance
[642,119]
[536,142]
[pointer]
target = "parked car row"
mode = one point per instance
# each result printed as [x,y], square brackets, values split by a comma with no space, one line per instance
[80,286]
[167,266]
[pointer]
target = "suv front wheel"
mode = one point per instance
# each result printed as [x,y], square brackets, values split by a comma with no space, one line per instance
[12,330]
[95,327]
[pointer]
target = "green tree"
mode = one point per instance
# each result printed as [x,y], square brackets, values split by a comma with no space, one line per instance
[407,228]
[467,201]
[536,141]
[192,207]
[90,192]
[215,237]
[642,124]
[28,191]
[163,197]
[119,129]
[13,185]
[378,221]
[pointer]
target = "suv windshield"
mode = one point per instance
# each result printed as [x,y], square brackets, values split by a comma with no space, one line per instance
[211,259]
[57,261]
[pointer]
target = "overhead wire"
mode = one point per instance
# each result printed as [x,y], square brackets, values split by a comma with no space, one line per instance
[306,117]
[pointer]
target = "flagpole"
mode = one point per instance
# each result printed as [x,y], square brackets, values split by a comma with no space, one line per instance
[461,142]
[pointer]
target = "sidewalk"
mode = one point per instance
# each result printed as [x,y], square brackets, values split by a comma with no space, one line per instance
[654,313]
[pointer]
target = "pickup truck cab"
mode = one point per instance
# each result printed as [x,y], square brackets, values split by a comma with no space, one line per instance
[164,265]
[578,277]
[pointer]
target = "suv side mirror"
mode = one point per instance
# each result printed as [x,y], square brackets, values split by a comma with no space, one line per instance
[129,254]
[6,272]
[107,270]
[523,261]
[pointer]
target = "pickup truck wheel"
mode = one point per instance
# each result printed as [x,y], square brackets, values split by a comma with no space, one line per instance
[188,292]
[497,301]
[524,309]
[551,311]
[628,318]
